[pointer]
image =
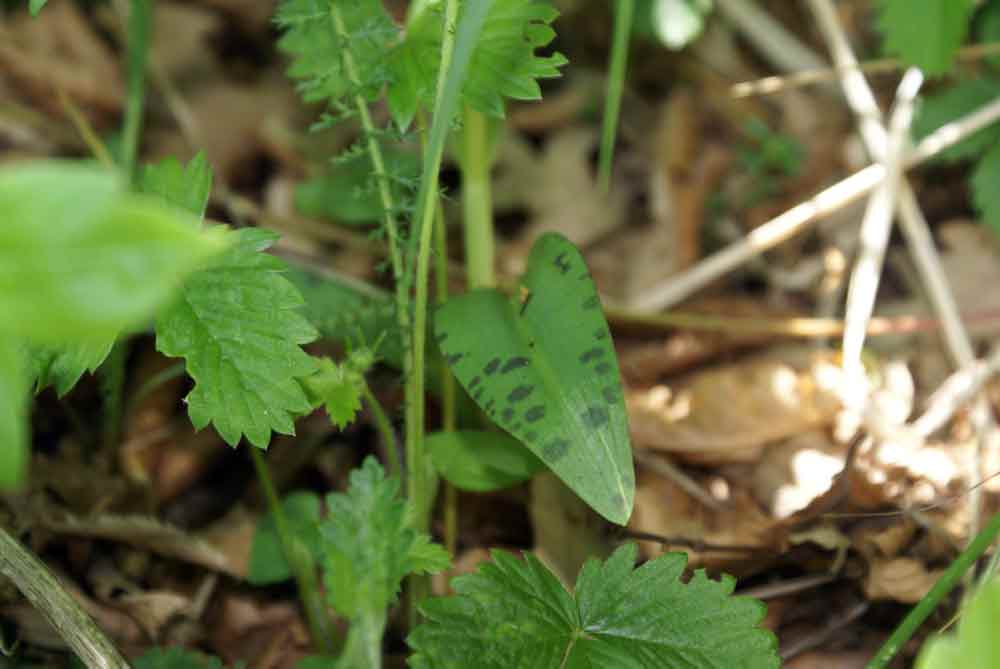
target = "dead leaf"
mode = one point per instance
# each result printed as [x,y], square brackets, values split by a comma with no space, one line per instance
[901,579]
[730,413]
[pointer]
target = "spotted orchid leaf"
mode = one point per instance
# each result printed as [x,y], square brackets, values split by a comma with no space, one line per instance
[542,366]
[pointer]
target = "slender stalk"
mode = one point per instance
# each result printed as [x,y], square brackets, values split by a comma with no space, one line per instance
[45,593]
[624,9]
[112,386]
[140,24]
[944,585]
[477,200]
[448,412]
[385,431]
[301,562]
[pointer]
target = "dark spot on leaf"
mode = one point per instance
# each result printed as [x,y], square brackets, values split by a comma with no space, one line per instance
[441,336]
[454,358]
[618,500]
[602,368]
[507,414]
[592,354]
[491,366]
[561,263]
[474,382]
[555,449]
[592,302]
[535,413]
[600,333]
[531,436]
[478,394]
[610,394]
[520,393]
[595,417]
[515,427]
[514,363]
[524,303]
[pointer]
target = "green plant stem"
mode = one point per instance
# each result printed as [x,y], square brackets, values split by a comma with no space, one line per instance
[301,562]
[448,408]
[45,593]
[139,34]
[384,428]
[112,384]
[944,585]
[624,9]
[477,200]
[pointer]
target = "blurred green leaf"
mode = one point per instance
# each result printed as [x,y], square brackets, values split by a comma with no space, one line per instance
[268,564]
[62,366]
[962,97]
[81,259]
[975,646]
[187,187]
[924,33]
[14,394]
[481,461]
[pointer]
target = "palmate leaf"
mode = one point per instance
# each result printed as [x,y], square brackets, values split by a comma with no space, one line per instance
[925,33]
[185,186]
[542,366]
[238,327]
[514,614]
[337,389]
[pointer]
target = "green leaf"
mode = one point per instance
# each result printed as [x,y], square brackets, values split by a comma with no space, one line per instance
[986,187]
[62,366]
[185,187]
[368,548]
[14,394]
[346,192]
[988,29]
[925,33]
[481,461]
[975,646]
[35,6]
[267,556]
[542,366]
[503,63]
[176,658]
[964,97]
[81,259]
[238,327]
[338,389]
[310,37]
[515,613]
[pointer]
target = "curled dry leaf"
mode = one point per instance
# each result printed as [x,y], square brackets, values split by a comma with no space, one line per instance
[730,413]
[901,579]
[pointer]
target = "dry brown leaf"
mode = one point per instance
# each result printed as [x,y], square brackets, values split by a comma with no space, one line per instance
[792,474]
[730,413]
[181,39]
[882,541]
[901,579]
[664,509]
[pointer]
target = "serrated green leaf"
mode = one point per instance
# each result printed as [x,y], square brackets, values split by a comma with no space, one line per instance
[964,97]
[481,461]
[986,187]
[187,187]
[542,366]
[268,564]
[14,394]
[337,389]
[975,646]
[81,259]
[238,327]
[515,613]
[368,548]
[503,63]
[925,33]
[35,6]
[311,38]
[175,657]
[62,366]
